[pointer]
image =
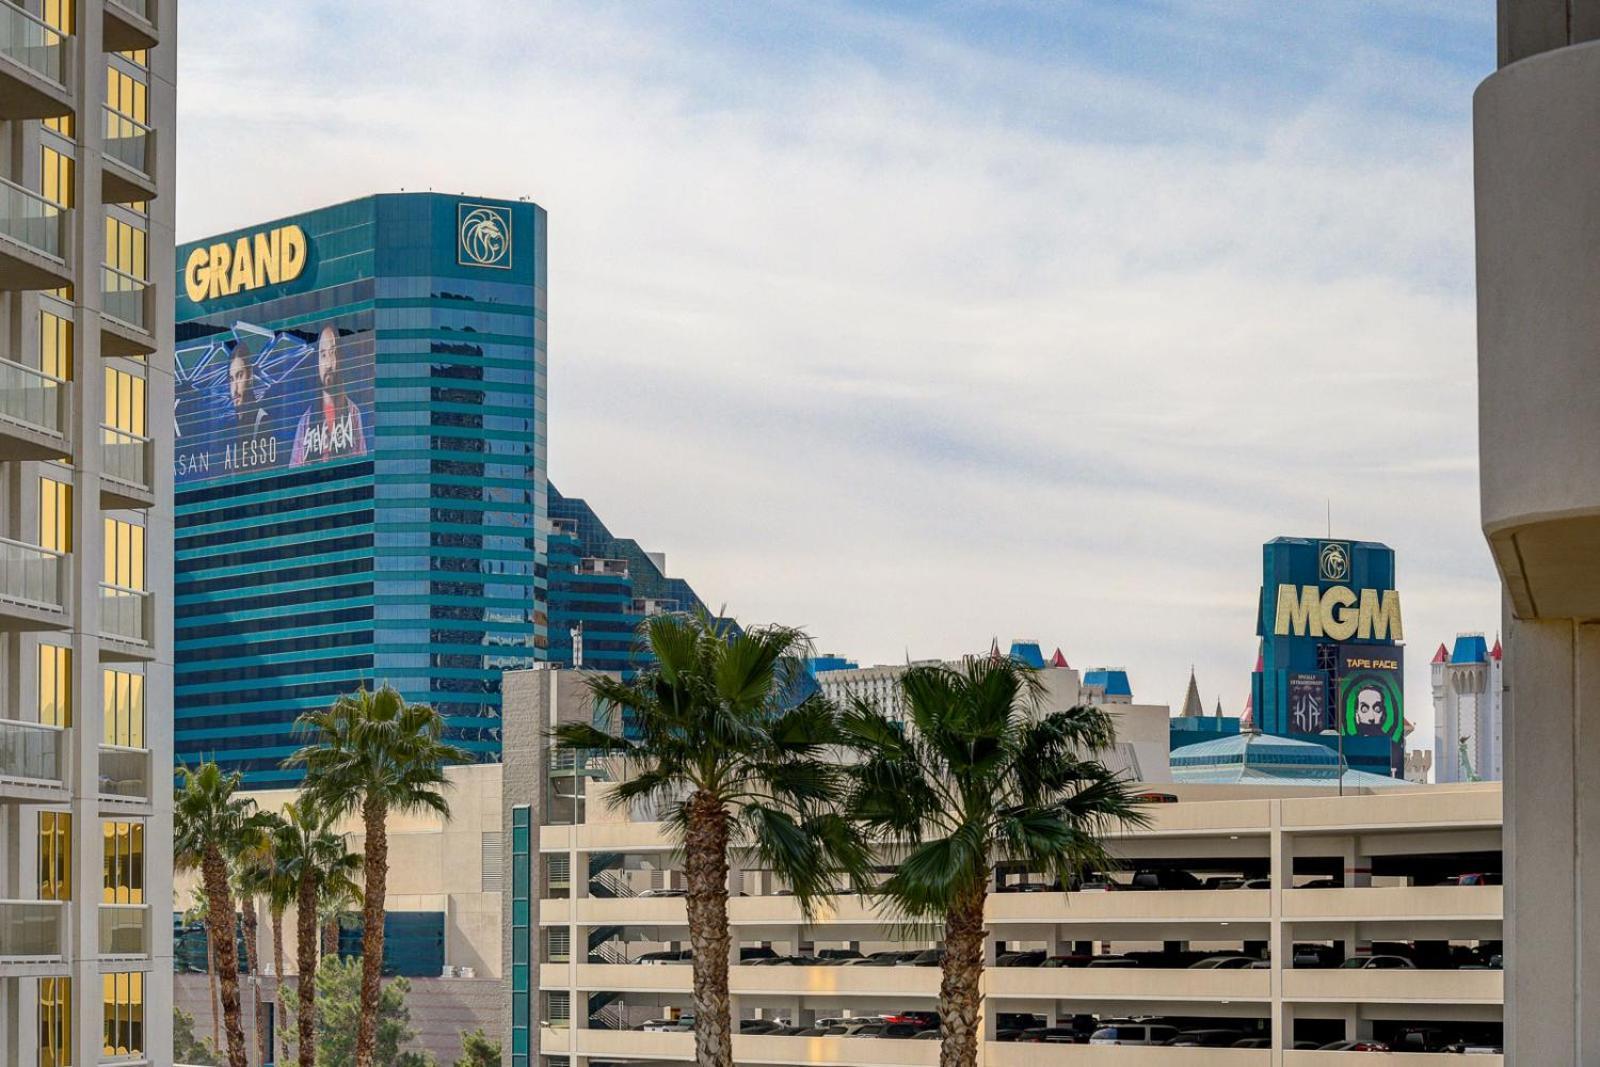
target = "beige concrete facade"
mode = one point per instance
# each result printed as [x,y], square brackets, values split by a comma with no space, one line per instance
[87,103]
[1359,875]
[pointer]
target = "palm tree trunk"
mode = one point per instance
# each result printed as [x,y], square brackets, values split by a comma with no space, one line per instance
[960,990]
[706,871]
[330,938]
[373,814]
[211,984]
[252,941]
[214,871]
[277,974]
[306,956]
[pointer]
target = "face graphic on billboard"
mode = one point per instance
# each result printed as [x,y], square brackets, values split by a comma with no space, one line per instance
[251,399]
[1369,707]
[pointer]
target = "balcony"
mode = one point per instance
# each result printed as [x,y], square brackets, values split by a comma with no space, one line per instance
[32,931]
[125,314]
[126,460]
[125,622]
[130,154]
[130,25]
[34,412]
[34,586]
[32,757]
[33,67]
[124,774]
[33,234]
[124,931]
[608,568]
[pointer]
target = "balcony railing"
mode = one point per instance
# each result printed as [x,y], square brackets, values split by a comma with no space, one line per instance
[124,930]
[125,456]
[32,930]
[124,773]
[35,44]
[127,140]
[33,398]
[122,613]
[32,750]
[30,219]
[122,296]
[32,575]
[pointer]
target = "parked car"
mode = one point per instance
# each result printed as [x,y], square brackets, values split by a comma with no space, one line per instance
[1133,1034]
[834,957]
[1052,1035]
[1354,1046]
[863,1028]
[1032,958]
[1222,963]
[1100,883]
[757,952]
[877,959]
[664,893]
[902,1031]
[928,1035]
[1252,1042]
[1206,1039]
[1029,887]
[821,1031]
[677,955]
[1218,881]
[1113,961]
[1489,878]
[928,957]
[668,1026]
[1421,1039]
[759,1026]
[1067,961]
[1378,963]
[1163,878]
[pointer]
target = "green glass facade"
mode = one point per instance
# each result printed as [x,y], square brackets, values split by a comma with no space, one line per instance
[360,474]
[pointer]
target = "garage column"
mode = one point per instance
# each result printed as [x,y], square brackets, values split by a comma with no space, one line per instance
[1357,867]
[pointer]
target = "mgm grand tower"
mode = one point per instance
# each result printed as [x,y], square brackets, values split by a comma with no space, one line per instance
[1537,139]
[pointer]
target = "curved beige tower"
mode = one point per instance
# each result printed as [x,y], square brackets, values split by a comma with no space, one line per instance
[1537,138]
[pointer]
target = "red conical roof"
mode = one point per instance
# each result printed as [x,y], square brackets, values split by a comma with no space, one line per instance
[1058,660]
[1443,655]
[1495,653]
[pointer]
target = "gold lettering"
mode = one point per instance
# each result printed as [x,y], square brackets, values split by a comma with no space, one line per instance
[243,276]
[195,279]
[1299,612]
[221,259]
[292,252]
[1338,621]
[266,256]
[1380,618]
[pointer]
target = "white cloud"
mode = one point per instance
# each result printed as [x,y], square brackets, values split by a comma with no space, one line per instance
[915,342]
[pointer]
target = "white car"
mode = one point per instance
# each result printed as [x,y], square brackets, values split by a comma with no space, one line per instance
[1133,1034]
[1378,963]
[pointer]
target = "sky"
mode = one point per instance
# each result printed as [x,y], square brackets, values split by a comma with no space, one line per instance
[923,324]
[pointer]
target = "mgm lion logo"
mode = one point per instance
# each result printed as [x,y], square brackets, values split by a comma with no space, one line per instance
[484,238]
[1333,561]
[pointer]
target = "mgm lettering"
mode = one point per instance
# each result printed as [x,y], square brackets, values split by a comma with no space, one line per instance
[1338,613]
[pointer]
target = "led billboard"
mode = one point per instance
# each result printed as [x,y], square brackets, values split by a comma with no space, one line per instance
[251,399]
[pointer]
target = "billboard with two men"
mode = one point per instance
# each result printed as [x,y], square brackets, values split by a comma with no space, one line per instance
[250,399]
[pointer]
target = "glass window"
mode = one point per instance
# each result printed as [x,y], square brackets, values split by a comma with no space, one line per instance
[55,176]
[55,856]
[124,1014]
[55,1022]
[123,869]
[125,402]
[126,249]
[55,515]
[55,345]
[124,554]
[55,685]
[124,709]
[127,94]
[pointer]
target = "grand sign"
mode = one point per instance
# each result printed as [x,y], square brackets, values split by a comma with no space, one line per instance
[252,261]
[1338,613]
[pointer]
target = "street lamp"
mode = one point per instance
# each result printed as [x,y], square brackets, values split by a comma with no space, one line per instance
[1340,736]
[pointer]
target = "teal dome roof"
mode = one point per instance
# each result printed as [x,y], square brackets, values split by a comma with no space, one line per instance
[1269,759]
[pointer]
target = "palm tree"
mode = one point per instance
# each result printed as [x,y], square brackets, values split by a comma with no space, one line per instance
[979,773]
[372,752]
[252,878]
[199,907]
[211,826]
[333,905]
[704,734]
[313,858]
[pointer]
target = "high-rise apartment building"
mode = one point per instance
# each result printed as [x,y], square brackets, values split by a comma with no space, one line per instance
[86,238]
[1467,718]
[360,469]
